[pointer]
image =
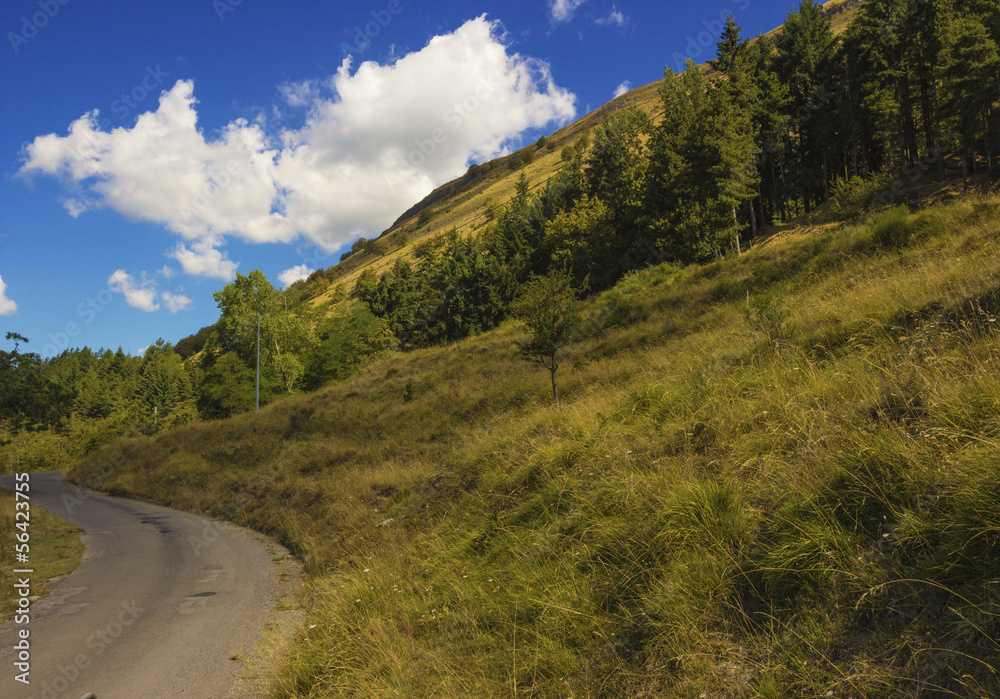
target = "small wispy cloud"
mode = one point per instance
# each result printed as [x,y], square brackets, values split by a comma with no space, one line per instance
[614,18]
[563,10]
[623,88]
[301,94]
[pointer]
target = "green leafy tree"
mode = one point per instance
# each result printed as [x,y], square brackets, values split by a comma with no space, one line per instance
[730,48]
[703,166]
[193,344]
[27,396]
[804,63]
[732,143]
[549,310]
[347,342]
[403,299]
[284,337]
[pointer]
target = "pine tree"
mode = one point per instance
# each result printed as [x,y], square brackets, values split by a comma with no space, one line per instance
[731,48]
[804,63]
[615,168]
[703,165]
[972,86]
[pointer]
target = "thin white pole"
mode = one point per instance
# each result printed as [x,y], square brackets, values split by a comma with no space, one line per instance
[257,405]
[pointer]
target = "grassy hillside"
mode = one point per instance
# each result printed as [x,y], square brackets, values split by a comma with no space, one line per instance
[774,475]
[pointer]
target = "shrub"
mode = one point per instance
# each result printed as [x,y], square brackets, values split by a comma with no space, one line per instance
[425,217]
[893,229]
[855,196]
[376,247]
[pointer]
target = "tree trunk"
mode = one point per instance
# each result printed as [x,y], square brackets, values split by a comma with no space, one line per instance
[989,138]
[784,191]
[826,180]
[774,187]
[908,124]
[938,154]
[736,222]
[281,367]
[555,392]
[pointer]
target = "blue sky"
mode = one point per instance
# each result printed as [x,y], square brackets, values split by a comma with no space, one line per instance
[149,150]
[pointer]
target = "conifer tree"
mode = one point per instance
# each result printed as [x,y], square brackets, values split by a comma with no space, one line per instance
[972,87]
[616,166]
[804,62]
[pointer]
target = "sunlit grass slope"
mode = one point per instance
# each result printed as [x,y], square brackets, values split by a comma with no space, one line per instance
[776,475]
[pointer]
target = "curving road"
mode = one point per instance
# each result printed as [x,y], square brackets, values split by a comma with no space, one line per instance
[160,607]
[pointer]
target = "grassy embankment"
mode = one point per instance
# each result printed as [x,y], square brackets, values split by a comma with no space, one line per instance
[56,551]
[776,475]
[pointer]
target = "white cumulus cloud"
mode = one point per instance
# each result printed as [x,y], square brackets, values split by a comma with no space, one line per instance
[175,302]
[141,295]
[376,139]
[290,276]
[563,10]
[623,88]
[7,307]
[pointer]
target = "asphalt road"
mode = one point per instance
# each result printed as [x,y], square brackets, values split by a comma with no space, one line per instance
[160,606]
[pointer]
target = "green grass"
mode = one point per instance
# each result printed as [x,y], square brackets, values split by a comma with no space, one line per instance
[56,550]
[776,475]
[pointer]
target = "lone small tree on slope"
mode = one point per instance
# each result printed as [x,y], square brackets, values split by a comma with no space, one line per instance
[548,308]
